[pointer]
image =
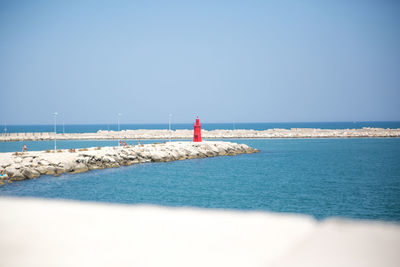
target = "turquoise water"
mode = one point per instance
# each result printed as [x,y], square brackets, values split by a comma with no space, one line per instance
[87,128]
[356,178]
[66,144]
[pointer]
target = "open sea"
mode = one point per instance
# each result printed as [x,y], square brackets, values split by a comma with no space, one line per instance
[352,177]
[91,128]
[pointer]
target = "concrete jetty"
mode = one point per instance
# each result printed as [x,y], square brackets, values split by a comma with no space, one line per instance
[29,165]
[214,134]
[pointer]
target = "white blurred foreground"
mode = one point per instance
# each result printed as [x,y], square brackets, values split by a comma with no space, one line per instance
[65,233]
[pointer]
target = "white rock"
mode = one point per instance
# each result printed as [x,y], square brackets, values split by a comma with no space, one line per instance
[80,167]
[33,164]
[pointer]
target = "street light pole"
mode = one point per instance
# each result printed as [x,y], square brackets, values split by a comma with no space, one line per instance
[55,131]
[169,126]
[119,137]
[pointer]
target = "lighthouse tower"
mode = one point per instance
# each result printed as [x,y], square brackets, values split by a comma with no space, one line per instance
[197,131]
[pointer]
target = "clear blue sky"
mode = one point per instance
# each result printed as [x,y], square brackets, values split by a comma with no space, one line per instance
[243,61]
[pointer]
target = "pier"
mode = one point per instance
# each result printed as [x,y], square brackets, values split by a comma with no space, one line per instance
[213,134]
[29,165]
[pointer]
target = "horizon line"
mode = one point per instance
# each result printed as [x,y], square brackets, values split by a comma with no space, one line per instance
[239,122]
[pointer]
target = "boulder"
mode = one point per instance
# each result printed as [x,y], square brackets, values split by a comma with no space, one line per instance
[95,167]
[202,153]
[115,165]
[30,173]
[60,170]
[16,175]
[41,169]
[43,162]
[32,165]
[174,154]
[135,161]
[66,166]
[6,161]
[97,158]
[144,160]
[144,154]
[82,160]
[117,158]
[128,157]
[80,167]
[193,154]
[106,166]
[156,157]
[50,170]
[10,170]
[27,161]
[17,166]
[108,159]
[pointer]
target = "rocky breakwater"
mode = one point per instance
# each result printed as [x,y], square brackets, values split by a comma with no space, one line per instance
[29,165]
[213,134]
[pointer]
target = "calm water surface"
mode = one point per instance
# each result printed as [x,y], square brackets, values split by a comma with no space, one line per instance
[91,128]
[357,178]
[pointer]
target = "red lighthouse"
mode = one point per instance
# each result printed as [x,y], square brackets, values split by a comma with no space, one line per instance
[197,131]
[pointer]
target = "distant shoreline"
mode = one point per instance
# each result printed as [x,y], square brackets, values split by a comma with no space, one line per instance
[213,134]
[258,126]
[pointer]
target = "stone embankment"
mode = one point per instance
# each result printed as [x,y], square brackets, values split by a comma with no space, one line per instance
[29,165]
[214,134]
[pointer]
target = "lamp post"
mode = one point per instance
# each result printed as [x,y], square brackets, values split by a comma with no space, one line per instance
[119,137]
[169,126]
[55,131]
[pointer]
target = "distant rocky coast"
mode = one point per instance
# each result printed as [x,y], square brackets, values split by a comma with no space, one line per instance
[29,165]
[214,134]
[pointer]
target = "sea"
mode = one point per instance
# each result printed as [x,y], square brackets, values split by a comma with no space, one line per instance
[91,128]
[346,177]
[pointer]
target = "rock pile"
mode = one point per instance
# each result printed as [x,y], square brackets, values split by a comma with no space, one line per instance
[29,165]
[214,134]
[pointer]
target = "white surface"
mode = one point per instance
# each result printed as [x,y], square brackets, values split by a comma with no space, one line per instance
[58,233]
